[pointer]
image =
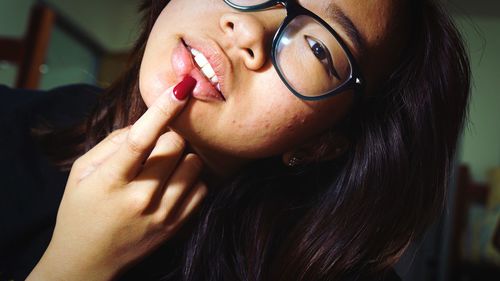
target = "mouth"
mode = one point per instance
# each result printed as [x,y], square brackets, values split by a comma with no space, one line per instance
[205,64]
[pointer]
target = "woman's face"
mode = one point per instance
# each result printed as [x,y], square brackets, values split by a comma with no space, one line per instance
[257,115]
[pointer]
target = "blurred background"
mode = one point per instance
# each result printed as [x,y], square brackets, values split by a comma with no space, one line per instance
[58,42]
[88,40]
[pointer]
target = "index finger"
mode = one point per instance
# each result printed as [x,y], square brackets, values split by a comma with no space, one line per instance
[143,135]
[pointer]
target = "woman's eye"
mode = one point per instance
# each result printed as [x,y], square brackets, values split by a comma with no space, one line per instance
[319,51]
[322,54]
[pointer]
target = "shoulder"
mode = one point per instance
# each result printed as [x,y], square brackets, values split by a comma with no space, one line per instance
[61,105]
[17,96]
[76,94]
[66,105]
[29,180]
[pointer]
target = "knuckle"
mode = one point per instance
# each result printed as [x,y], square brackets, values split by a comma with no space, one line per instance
[169,227]
[176,142]
[76,169]
[78,163]
[116,137]
[160,217]
[135,143]
[194,161]
[111,178]
[201,189]
[139,201]
[115,133]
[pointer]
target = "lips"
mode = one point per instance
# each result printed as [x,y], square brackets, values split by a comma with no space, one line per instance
[183,64]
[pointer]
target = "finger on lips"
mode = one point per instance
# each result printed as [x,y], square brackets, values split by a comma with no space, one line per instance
[143,135]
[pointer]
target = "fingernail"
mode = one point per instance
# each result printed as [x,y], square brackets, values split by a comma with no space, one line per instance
[184,88]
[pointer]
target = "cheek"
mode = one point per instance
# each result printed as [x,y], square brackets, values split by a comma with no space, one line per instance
[151,86]
[246,127]
[272,127]
[155,75]
[285,122]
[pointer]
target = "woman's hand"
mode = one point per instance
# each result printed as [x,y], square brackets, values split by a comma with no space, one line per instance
[123,198]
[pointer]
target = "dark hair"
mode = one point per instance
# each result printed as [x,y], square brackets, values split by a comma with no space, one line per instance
[351,217]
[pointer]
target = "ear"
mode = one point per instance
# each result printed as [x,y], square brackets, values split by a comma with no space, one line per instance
[326,147]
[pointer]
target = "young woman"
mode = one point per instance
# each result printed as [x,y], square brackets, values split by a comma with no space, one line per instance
[320,134]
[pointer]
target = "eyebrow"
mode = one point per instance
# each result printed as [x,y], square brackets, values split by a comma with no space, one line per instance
[335,13]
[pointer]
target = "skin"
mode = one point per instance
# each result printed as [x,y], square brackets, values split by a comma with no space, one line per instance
[116,209]
[252,123]
[131,191]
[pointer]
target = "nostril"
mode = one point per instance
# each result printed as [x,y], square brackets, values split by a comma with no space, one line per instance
[250,52]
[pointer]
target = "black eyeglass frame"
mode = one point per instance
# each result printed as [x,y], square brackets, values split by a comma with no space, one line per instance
[293,9]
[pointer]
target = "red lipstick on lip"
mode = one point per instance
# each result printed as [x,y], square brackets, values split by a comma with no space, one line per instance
[182,65]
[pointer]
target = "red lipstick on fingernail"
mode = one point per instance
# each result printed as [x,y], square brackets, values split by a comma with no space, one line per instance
[184,88]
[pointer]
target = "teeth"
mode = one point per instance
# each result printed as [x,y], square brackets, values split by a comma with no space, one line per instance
[205,67]
[201,60]
[194,52]
[208,71]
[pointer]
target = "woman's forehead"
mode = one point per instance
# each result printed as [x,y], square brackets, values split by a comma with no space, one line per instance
[372,18]
[381,25]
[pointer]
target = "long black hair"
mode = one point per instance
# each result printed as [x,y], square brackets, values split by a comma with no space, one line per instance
[350,217]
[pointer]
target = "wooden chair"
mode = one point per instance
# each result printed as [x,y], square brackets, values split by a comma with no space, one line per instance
[468,192]
[29,52]
[496,237]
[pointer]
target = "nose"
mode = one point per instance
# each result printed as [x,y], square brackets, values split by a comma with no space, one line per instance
[246,33]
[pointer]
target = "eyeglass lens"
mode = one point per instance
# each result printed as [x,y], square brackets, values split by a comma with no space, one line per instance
[308,56]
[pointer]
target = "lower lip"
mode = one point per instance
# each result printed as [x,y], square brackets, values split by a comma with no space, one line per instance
[182,65]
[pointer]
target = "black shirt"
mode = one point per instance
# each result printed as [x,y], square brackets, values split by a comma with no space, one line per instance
[31,187]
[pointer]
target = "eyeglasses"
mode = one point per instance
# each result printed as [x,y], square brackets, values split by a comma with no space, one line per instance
[309,55]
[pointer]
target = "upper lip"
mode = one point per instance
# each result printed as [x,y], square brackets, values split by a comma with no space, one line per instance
[215,56]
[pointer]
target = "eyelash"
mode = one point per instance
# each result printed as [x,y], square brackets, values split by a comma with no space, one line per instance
[312,42]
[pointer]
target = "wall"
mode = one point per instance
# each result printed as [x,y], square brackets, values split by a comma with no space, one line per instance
[111,23]
[481,141]
[479,22]
[114,23]
[14,17]
[13,21]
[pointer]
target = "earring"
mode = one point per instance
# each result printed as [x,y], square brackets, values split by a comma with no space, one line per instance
[294,161]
